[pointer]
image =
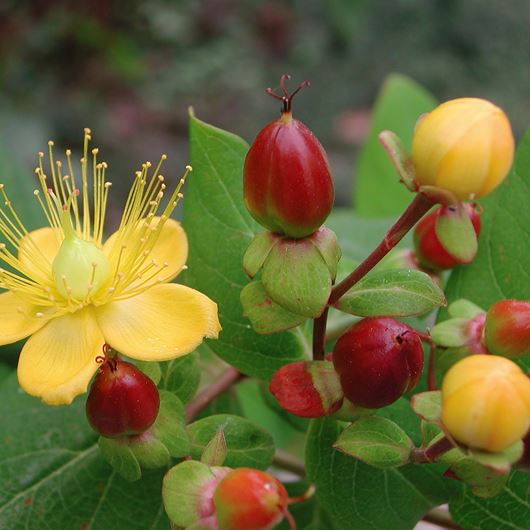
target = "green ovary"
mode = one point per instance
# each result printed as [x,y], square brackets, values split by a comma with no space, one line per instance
[79,268]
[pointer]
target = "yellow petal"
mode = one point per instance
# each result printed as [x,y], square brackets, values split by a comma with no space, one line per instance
[38,249]
[170,249]
[164,322]
[18,319]
[57,362]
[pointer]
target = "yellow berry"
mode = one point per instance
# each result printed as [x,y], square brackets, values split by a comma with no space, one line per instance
[465,146]
[486,402]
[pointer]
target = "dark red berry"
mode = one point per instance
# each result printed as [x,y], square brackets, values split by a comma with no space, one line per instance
[248,499]
[507,330]
[378,360]
[288,187]
[429,251]
[122,400]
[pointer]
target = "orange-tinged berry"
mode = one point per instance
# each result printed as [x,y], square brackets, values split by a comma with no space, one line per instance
[486,402]
[464,146]
[249,499]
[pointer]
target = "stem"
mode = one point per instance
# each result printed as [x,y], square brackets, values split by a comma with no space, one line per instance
[433,452]
[419,206]
[431,370]
[441,518]
[204,398]
[319,335]
[288,462]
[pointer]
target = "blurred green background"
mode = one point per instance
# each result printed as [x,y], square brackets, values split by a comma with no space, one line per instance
[130,69]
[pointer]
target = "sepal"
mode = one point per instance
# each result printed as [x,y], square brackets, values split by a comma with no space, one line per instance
[456,232]
[265,315]
[187,493]
[257,252]
[298,273]
[401,160]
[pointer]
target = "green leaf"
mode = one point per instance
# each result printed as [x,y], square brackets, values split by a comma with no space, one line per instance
[376,441]
[506,511]
[358,496]
[399,104]
[248,445]
[265,315]
[427,405]
[219,230]
[150,369]
[19,183]
[169,425]
[53,475]
[396,292]
[181,377]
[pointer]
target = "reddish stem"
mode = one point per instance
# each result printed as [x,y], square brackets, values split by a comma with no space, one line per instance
[431,369]
[319,335]
[419,206]
[433,452]
[204,398]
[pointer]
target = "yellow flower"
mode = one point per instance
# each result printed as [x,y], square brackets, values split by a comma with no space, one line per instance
[465,146]
[73,293]
[486,402]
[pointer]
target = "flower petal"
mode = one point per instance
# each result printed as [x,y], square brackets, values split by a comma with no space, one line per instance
[162,323]
[38,249]
[171,248]
[18,319]
[57,362]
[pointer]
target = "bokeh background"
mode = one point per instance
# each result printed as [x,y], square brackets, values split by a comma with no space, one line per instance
[129,69]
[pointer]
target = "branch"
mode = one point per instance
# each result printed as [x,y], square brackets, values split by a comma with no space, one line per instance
[288,462]
[204,398]
[419,206]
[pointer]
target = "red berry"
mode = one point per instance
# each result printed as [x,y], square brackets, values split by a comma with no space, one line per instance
[378,360]
[507,329]
[122,400]
[248,499]
[308,389]
[429,251]
[288,187]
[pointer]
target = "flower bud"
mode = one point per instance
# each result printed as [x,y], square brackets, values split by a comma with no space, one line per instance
[507,329]
[378,360]
[288,187]
[486,402]
[248,499]
[122,400]
[308,389]
[430,251]
[464,146]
